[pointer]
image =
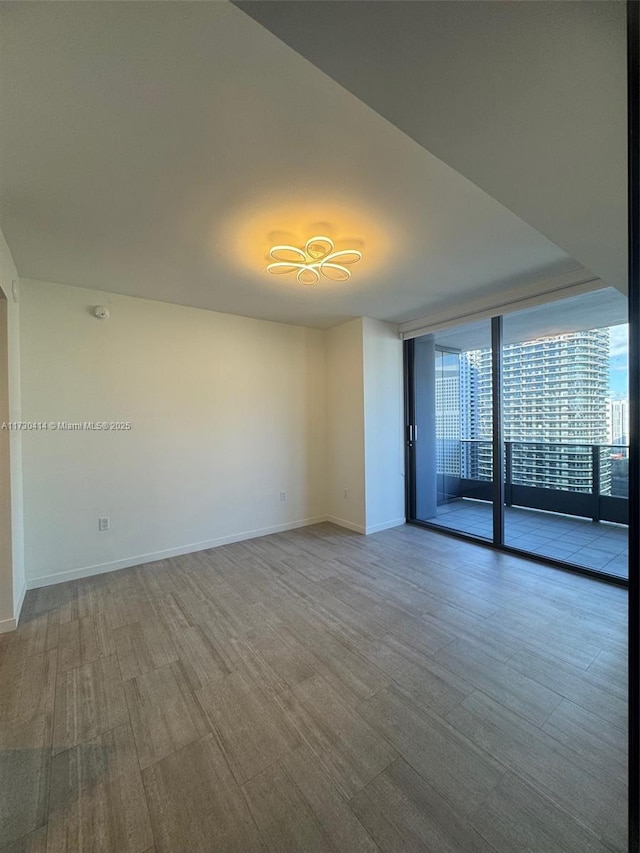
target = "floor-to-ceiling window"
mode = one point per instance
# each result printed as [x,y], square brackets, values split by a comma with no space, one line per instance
[453,435]
[563,438]
[565,421]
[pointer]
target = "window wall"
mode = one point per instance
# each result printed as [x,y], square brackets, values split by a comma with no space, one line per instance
[560,376]
[454,429]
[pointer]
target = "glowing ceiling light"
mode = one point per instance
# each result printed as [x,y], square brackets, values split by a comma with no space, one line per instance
[317,258]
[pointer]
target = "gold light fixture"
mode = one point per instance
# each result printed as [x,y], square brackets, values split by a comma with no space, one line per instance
[317,259]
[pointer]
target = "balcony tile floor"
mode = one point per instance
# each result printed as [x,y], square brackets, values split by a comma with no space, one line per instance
[593,545]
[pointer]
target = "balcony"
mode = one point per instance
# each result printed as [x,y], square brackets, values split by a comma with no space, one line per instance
[565,501]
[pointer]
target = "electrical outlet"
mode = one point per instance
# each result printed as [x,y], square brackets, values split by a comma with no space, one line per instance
[103,524]
[346,494]
[283,496]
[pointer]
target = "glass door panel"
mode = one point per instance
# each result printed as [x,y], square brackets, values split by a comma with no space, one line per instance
[565,425]
[453,435]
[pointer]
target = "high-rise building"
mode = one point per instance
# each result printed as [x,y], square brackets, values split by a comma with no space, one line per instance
[477,414]
[448,412]
[619,422]
[555,408]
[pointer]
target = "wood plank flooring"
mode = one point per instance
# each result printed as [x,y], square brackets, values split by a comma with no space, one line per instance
[318,690]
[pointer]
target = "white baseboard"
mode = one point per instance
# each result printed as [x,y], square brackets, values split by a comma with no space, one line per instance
[358,528]
[139,559]
[18,609]
[7,625]
[376,528]
[341,522]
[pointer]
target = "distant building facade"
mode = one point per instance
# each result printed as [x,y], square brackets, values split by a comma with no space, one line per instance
[555,392]
[618,422]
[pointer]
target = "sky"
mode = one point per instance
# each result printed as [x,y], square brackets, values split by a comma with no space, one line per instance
[619,360]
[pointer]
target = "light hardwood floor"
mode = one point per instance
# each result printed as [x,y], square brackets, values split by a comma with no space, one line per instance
[318,690]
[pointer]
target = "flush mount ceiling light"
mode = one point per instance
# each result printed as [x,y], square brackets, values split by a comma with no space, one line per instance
[317,259]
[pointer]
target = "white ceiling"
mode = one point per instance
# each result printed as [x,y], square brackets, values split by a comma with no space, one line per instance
[527,100]
[159,149]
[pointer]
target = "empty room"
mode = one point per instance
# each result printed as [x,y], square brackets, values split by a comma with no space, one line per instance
[318,431]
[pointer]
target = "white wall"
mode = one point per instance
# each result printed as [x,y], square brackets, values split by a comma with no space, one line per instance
[226,412]
[7,599]
[345,426]
[12,575]
[383,425]
[365,425]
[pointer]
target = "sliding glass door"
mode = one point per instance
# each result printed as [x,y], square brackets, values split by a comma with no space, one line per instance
[565,397]
[453,433]
[557,376]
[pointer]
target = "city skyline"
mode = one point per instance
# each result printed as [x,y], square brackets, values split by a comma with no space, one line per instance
[562,389]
